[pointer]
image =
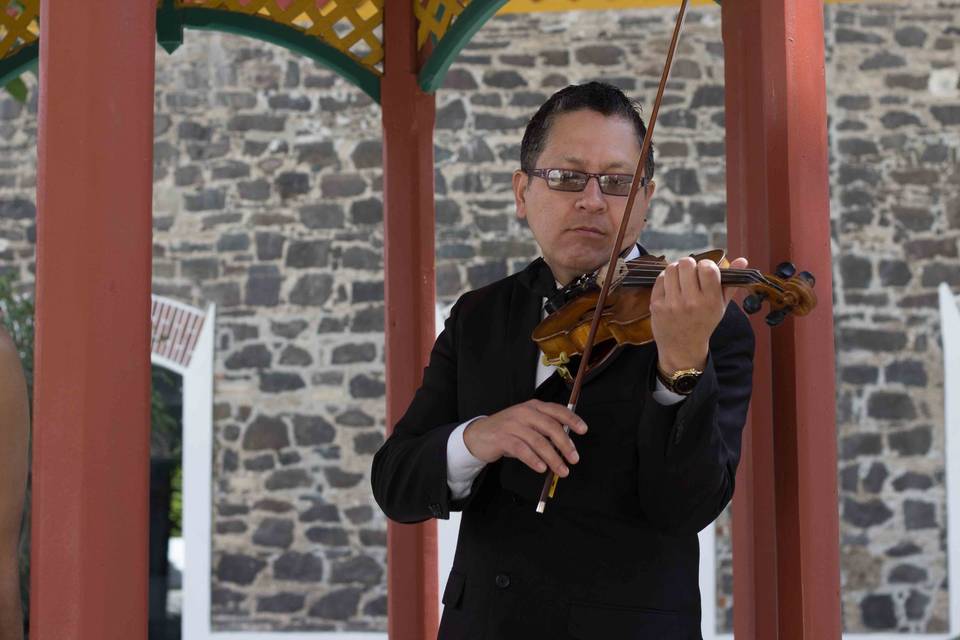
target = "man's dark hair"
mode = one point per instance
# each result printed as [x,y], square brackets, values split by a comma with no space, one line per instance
[601,97]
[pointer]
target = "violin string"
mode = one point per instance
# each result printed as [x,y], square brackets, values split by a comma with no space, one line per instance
[638,277]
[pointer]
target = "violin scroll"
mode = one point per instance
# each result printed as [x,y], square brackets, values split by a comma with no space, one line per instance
[787,292]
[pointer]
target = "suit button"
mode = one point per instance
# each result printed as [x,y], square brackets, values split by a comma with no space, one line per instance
[502,580]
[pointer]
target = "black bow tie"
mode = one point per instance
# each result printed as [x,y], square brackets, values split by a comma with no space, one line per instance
[543,283]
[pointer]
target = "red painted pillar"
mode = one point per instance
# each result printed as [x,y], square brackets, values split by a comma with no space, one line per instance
[786,522]
[91,430]
[409,291]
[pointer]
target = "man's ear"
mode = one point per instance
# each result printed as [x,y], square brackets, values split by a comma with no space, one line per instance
[520,182]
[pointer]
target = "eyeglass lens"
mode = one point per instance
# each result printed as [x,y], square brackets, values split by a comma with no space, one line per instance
[613,184]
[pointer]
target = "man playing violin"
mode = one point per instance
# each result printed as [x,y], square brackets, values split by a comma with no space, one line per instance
[653,448]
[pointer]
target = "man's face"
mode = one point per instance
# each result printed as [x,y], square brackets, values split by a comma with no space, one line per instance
[576,230]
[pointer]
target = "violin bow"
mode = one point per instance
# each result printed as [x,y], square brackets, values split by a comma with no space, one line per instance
[550,483]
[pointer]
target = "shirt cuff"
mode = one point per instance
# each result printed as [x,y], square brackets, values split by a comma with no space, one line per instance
[462,467]
[661,394]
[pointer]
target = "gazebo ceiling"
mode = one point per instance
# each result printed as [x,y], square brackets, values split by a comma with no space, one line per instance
[345,35]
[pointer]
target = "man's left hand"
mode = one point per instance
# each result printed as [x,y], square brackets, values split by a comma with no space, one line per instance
[686,305]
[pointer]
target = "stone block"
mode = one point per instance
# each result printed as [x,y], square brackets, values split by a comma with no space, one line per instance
[238,568]
[600,54]
[898,119]
[288,479]
[874,479]
[254,356]
[459,79]
[304,254]
[204,200]
[877,612]
[343,185]
[682,182]
[856,272]
[852,338]
[916,605]
[907,81]
[451,117]
[358,569]
[340,479]
[263,286]
[503,79]
[295,356]
[327,215]
[711,95]
[354,352]
[312,290]
[911,37]
[860,444]
[859,374]
[912,442]
[292,183]
[262,462]
[918,514]
[365,386]
[281,603]
[923,248]
[865,514]
[230,527]
[908,372]
[882,60]
[947,115]
[911,480]
[890,405]
[907,574]
[256,122]
[328,536]
[298,567]
[319,155]
[230,242]
[278,382]
[852,36]
[274,532]
[368,320]
[367,443]
[285,102]
[312,431]
[937,272]
[340,604]
[354,418]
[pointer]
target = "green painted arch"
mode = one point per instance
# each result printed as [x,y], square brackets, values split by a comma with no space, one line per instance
[11,67]
[454,40]
[171,22]
[170,25]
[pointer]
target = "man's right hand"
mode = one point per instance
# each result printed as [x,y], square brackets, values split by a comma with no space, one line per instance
[532,432]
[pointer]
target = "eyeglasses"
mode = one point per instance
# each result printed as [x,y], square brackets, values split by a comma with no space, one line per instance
[612,184]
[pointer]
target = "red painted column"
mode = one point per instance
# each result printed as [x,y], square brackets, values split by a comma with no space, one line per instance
[409,291]
[91,430]
[786,522]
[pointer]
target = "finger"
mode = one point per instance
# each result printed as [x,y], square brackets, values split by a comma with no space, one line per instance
[659,287]
[671,282]
[521,451]
[542,449]
[708,275]
[729,292]
[563,415]
[689,282]
[555,434]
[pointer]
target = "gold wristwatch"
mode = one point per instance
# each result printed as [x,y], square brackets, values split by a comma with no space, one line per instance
[681,382]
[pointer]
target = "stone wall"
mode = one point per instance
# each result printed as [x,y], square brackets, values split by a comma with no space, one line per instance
[268,201]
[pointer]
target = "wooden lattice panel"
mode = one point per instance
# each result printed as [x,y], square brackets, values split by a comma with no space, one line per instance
[435,17]
[19,25]
[353,27]
[175,329]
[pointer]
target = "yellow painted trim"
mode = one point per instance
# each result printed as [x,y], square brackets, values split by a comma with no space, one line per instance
[541,6]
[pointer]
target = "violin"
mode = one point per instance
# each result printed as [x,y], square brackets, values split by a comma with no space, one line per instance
[625,317]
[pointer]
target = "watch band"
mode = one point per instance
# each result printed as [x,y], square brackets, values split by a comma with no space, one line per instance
[681,381]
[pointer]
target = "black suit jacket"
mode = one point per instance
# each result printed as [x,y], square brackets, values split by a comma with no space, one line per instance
[615,555]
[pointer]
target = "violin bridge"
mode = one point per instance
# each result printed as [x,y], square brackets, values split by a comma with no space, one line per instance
[560,363]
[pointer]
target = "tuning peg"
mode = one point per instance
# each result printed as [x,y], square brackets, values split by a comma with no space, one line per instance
[753,303]
[807,277]
[776,317]
[786,270]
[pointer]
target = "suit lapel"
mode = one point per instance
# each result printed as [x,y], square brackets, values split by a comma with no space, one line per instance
[521,351]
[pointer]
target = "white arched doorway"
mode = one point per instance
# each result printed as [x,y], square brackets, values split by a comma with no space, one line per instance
[182,341]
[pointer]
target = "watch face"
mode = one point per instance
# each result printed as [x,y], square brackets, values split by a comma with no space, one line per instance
[685,383]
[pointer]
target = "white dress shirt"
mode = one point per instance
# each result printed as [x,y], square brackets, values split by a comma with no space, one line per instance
[463,467]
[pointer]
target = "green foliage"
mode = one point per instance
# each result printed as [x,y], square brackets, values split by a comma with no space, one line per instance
[16,312]
[17,89]
[176,502]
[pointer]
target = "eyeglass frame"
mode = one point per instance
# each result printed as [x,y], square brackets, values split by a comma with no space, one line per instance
[542,174]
